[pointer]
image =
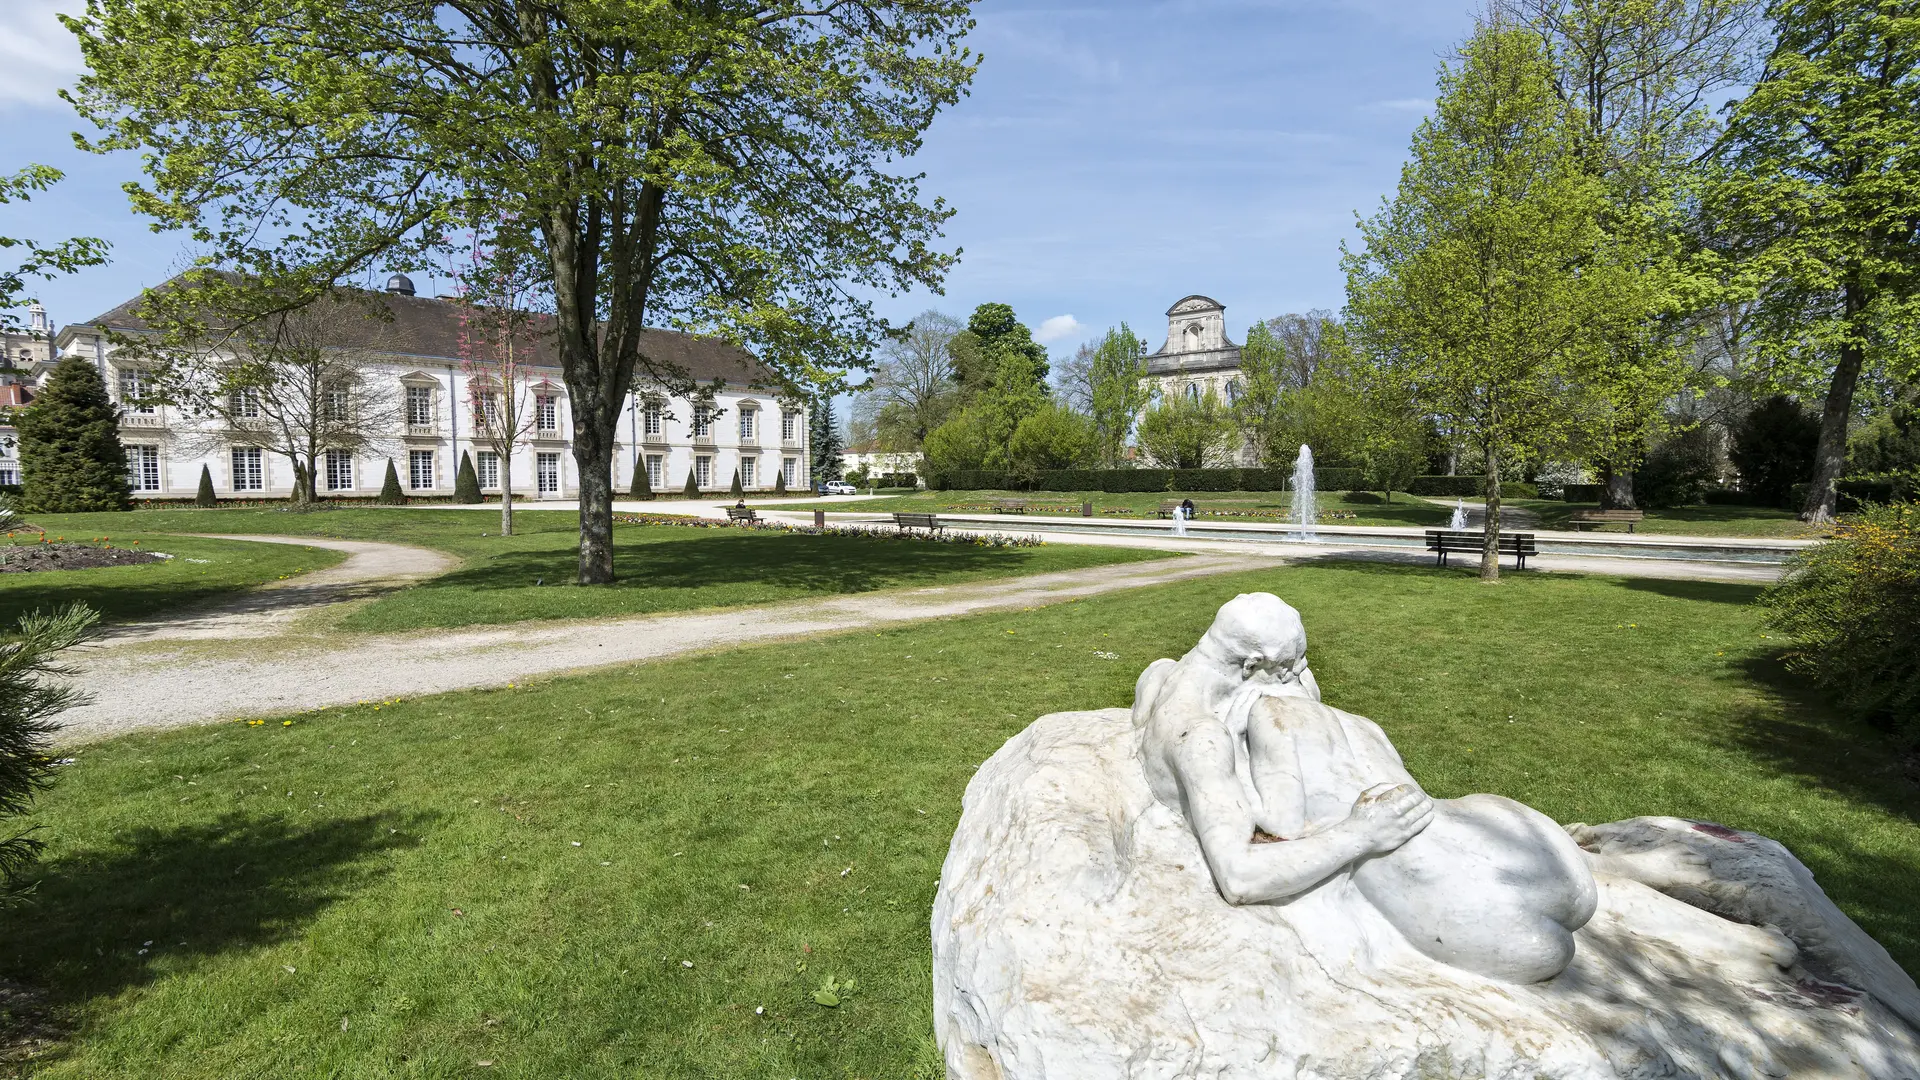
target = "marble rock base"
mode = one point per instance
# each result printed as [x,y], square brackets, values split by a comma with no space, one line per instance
[1077,935]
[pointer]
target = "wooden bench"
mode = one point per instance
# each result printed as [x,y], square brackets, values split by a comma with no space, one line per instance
[1169,506]
[743,514]
[1444,542]
[918,521]
[1582,520]
[1009,506]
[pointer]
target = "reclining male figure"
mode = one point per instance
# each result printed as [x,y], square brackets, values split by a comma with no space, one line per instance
[1234,737]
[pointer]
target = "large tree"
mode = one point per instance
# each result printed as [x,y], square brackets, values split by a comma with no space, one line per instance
[1001,372]
[727,167]
[912,389]
[38,260]
[1117,389]
[71,457]
[1637,76]
[1819,197]
[1189,427]
[1488,274]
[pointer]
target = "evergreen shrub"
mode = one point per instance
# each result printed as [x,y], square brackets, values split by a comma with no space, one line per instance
[779,482]
[205,496]
[1469,487]
[466,482]
[692,490]
[1121,481]
[32,693]
[71,458]
[736,490]
[390,493]
[642,489]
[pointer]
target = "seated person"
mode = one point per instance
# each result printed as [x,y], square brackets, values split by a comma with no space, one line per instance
[1234,737]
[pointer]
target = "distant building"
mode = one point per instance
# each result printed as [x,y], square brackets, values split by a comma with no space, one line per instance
[877,461]
[744,427]
[1197,353]
[25,357]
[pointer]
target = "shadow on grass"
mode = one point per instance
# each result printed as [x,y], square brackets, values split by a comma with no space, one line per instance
[1714,592]
[822,564]
[195,891]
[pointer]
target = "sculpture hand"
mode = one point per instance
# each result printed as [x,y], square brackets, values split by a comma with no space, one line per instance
[1388,815]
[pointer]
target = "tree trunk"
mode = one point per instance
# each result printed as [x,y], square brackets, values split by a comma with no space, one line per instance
[1616,488]
[506,499]
[1830,454]
[302,483]
[593,455]
[1490,532]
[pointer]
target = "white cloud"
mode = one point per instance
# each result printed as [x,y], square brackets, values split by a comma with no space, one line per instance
[1057,328]
[1401,105]
[37,55]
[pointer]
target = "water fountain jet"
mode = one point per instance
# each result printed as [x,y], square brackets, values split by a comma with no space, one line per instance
[1303,508]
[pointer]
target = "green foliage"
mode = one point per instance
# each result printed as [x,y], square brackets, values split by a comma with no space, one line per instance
[1889,441]
[1773,448]
[692,489]
[730,165]
[9,518]
[1117,390]
[827,443]
[466,482]
[1852,606]
[1487,280]
[33,690]
[1815,198]
[1187,428]
[1678,471]
[1467,487]
[736,490]
[830,992]
[205,496]
[1053,437]
[62,258]
[1120,481]
[779,482]
[1002,373]
[642,487]
[998,350]
[71,458]
[390,493]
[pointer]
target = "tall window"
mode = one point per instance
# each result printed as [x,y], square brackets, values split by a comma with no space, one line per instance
[655,420]
[487,465]
[546,473]
[339,470]
[748,467]
[703,471]
[143,468]
[337,405]
[10,465]
[248,474]
[486,411]
[420,469]
[747,425]
[788,426]
[1233,391]
[419,406]
[133,387]
[546,414]
[790,470]
[702,422]
[244,403]
[656,471]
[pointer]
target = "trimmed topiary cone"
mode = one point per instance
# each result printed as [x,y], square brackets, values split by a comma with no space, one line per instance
[692,490]
[642,484]
[779,483]
[736,490]
[390,493]
[466,482]
[205,496]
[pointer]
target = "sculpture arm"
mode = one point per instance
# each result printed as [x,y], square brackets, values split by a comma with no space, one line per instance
[1247,873]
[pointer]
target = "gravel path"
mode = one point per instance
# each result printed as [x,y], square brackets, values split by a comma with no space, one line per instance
[369,570]
[233,665]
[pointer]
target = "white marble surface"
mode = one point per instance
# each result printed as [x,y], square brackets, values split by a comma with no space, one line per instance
[1078,933]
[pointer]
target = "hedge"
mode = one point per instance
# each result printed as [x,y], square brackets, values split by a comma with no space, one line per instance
[1469,487]
[1119,481]
[1582,492]
[1851,495]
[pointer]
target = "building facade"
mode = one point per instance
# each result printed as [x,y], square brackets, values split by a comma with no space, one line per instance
[738,426]
[1197,354]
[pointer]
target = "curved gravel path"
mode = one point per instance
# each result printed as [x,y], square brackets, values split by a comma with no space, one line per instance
[369,570]
[225,668]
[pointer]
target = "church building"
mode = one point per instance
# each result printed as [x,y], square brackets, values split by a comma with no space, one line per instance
[1197,354]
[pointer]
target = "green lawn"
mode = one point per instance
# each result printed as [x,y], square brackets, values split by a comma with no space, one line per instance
[200,570]
[659,568]
[1405,510]
[396,891]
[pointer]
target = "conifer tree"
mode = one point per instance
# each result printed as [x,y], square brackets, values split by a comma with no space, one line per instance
[29,700]
[390,493]
[692,490]
[205,496]
[642,483]
[466,482]
[736,490]
[780,482]
[70,452]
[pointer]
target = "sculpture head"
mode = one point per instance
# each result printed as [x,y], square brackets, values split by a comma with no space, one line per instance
[1260,634]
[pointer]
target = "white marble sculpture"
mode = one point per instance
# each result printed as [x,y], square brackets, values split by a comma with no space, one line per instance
[1235,880]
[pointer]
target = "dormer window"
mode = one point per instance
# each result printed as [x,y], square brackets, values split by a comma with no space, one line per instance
[702,422]
[419,406]
[244,403]
[546,413]
[134,387]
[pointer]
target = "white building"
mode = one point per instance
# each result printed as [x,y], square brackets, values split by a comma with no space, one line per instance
[742,426]
[877,461]
[1197,354]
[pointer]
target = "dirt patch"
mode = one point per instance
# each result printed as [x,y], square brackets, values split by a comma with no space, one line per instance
[26,558]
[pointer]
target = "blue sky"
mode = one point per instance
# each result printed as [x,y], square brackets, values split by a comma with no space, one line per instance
[1111,159]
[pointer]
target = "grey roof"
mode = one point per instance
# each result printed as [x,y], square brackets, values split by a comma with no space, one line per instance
[430,328]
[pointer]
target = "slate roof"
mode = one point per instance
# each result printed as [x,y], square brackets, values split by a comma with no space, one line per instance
[428,328]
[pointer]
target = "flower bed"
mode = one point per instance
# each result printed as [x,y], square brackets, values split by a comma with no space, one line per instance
[871,532]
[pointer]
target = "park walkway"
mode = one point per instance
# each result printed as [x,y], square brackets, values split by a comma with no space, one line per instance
[193,670]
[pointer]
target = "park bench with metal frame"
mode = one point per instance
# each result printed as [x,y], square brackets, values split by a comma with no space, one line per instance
[1582,520]
[1444,542]
[742,515]
[929,522]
